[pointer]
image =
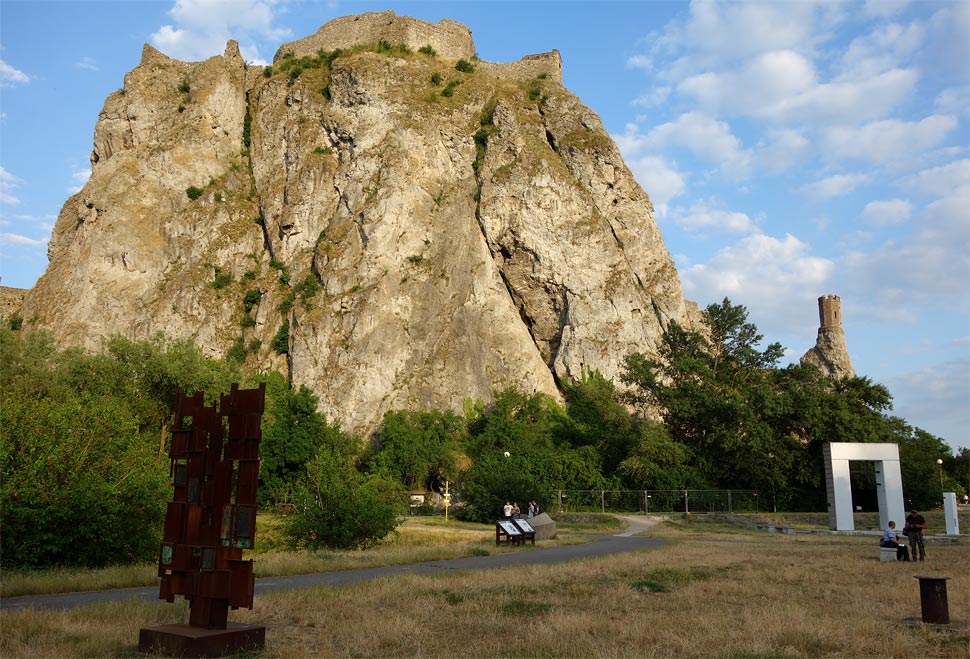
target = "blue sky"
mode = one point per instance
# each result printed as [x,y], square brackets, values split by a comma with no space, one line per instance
[791,149]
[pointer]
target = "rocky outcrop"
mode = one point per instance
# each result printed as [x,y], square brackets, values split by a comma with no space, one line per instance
[830,354]
[388,239]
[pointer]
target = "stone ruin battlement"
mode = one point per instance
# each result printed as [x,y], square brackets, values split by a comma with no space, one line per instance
[449,38]
[829,312]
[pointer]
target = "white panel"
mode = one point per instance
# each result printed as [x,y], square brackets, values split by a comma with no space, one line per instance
[842,491]
[889,492]
[861,451]
[950,510]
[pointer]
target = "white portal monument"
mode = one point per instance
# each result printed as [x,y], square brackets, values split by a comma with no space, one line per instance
[889,482]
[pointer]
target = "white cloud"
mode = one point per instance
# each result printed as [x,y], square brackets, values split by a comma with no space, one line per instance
[639,62]
[657,96]
[885,8]
[705,137]
[886,48]
[940,181]
[887,141]
[87,63]
[9,76]
[16,239]
[708,214]
[80,177]
[954,100]
[7,183]
[776,279]
[768,80]
[936,399]
[661,181]
[835,186]
[203,27]
[885,213]
[846,102]
[931,266]
[781,149]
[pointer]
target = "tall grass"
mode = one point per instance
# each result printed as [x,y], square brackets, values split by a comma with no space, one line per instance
[753,595]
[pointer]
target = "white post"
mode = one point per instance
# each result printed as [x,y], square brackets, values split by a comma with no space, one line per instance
[950,510]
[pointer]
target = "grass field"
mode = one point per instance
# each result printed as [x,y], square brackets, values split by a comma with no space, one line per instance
[714,591]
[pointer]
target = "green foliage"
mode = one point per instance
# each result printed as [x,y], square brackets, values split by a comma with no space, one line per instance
[427,50]
[286,305]
[337,506]
[251,299]
[421,448]
[193,193]
[81,477]
[323,150]
[184,87]
[534,93]
[221,278]
[281,342]
[435,78]
[325,91]
[237,352]
[464,66]
[534,430]
[268,72]
[247,321]
[308,287]
[292,431]
[247,127]
[15,323]
[450,88]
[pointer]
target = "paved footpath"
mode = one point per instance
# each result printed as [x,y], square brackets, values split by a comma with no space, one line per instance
[597,546]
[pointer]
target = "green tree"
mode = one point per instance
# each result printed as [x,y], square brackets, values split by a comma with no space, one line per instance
[420,448]
[532,430]
[337,506]
[293,430]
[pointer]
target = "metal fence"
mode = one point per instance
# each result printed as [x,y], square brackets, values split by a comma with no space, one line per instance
[652,501]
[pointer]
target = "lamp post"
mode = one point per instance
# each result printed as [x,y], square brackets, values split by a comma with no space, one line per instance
[939,462]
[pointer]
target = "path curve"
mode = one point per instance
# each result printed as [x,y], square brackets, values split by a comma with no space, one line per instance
[599,545]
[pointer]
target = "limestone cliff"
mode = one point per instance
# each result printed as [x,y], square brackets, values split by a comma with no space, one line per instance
[388,229]
[830,354]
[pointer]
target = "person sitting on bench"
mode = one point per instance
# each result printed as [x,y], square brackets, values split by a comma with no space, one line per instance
[891,539]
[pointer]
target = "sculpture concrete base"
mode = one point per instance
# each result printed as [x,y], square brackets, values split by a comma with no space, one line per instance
[187,641]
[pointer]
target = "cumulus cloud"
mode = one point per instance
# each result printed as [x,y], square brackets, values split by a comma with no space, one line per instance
[710,215]
[835,186]
[661,180]
[7,184]
[887,141]
[930,266]
[9,76]
[776,279]
[940,181]
[17,239]
[886,213]
[80,177]
[884,49]
[87,63]
[936,399]
[203,27]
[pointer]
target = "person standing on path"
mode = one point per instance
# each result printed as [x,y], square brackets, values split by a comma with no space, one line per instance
[915,524]
[507,510]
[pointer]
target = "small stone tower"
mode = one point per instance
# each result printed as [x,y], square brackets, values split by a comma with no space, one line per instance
[830,354]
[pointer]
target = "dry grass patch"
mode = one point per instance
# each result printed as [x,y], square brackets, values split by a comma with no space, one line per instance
[734,596]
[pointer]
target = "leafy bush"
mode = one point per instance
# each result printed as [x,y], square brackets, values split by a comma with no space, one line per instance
[81,480]
[450,88]
[268,72]
[237,353]
[184,87]
[307,288]
[221,279]
[247,321]
[464,66]
[337,506]
[193,192]
[251,299]
[427,50]
[435,78]
[247,127]
[323,150]
[15,323]
[281,342]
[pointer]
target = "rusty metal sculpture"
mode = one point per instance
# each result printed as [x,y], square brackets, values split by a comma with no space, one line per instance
[211,519]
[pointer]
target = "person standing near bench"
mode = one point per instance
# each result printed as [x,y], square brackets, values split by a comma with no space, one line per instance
[891,539]
[915,524]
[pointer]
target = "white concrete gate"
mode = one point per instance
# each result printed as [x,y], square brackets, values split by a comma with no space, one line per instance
[889,482]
